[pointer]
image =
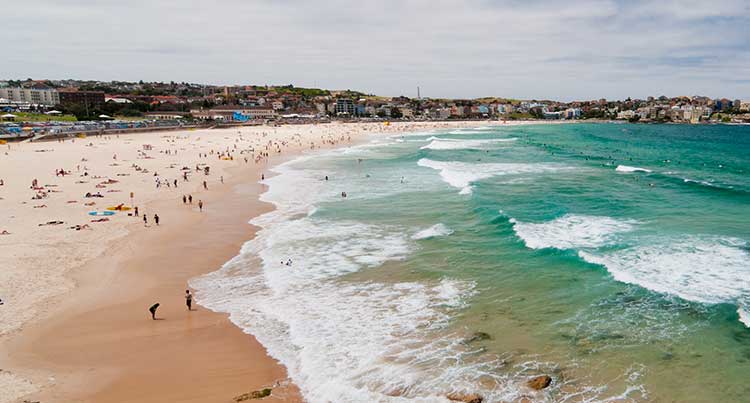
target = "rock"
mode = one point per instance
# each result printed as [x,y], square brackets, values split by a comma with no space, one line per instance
[465,397]
[478,336]
[539,382]
[256,394]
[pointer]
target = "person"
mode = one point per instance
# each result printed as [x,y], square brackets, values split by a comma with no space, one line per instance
[175,183]
[184,199]
[200,205]
[156,219]
[136,211]
[189,300]
[153,309]
[145,220]
[205,185]
[222,179]
[190,199]
[262,177]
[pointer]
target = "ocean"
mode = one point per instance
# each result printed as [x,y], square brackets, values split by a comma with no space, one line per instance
[612,257]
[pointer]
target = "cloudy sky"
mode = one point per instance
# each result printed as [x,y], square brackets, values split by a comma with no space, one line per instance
[577,49]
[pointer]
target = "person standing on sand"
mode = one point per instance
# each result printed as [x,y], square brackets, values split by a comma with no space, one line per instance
[189,300]
[153,309]
[205,185]
[156,219]
[136,211]
[200,205]
[190,199]
[184,199]
[145,220]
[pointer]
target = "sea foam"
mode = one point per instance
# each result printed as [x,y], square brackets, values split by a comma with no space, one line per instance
[459,144]
[436,230]
[571,231]
[625,168]
[701,269]
[461,175]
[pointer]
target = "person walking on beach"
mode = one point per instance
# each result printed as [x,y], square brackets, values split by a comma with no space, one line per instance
[222,179]
[200,205]
[156,219]
[153,309]
[136,211]
[184,199]
[190,199]
[189,300]
[145,220]
[205,185]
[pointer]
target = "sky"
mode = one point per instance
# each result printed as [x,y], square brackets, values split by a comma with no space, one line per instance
[561,50]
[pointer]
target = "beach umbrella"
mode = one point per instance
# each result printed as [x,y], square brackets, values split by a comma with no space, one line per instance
[54,113]
[105,117]
[9,116]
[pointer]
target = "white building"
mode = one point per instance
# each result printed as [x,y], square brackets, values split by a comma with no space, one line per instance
[47,97]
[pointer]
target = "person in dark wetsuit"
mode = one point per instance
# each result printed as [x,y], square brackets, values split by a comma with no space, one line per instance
[189,300]
[153,309]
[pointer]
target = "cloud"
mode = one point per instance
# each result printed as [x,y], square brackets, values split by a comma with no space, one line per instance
[525,49]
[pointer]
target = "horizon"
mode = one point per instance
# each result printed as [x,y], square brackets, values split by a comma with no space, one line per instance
[586,49]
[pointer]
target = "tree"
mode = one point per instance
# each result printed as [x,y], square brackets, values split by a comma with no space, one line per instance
[396,113]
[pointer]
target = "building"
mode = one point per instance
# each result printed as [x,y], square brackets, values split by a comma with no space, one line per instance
[33,96]
[233,112]
[165,115]
[88,98]
[344,106]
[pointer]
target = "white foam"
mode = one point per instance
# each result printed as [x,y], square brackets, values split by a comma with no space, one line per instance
[571,231]
[436,230]
[700,269]
[458,144]
[461,175]
[744,316]
[625,168]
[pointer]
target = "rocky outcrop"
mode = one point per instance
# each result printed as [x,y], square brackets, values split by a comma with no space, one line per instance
[465,397]
[256,394]
[539,382]
[478,336]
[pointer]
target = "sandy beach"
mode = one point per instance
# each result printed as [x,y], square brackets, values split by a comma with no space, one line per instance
[75,287]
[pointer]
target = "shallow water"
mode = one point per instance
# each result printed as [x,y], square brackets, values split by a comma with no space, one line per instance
[612,257]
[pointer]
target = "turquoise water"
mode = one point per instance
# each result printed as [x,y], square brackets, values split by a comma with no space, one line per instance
[613,257]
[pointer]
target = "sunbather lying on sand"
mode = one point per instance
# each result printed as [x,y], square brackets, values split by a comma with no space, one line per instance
[52,223]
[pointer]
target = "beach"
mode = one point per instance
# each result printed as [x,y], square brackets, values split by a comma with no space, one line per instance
[76,287]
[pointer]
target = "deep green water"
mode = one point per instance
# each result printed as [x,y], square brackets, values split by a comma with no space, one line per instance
[623,284]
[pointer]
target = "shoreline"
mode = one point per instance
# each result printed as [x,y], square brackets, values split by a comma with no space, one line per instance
[98,320]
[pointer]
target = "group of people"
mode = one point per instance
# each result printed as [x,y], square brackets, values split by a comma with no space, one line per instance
[152,309]
[188,199]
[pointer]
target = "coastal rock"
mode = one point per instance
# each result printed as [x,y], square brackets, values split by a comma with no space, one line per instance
[539,382]
[465,397]
[256,394]
[479,336]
